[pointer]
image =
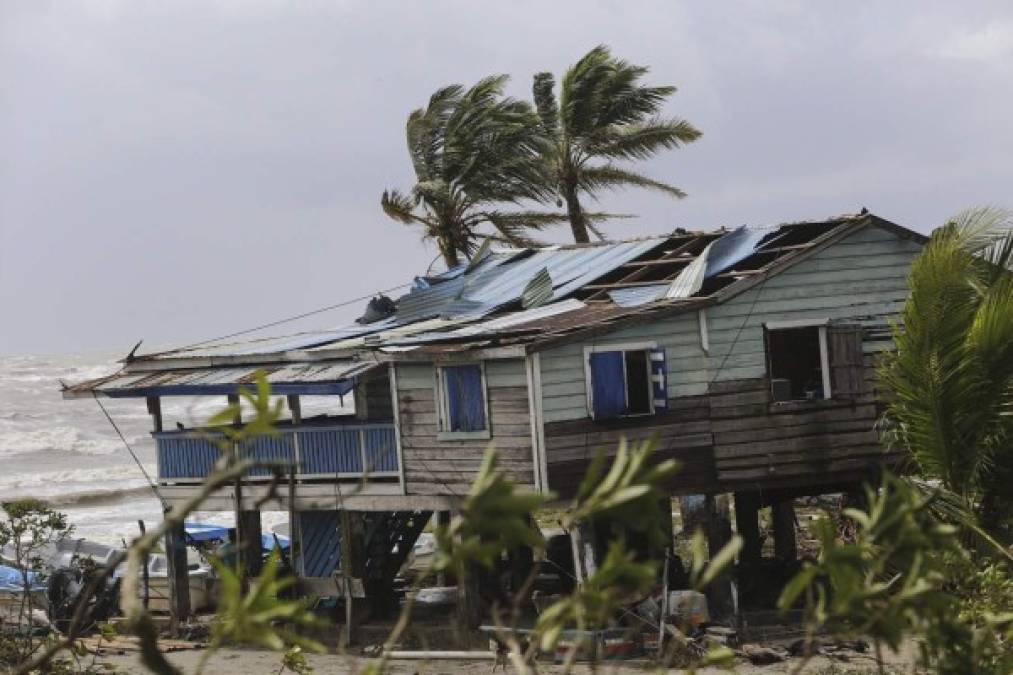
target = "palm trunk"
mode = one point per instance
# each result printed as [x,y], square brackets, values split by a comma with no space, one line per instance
[449,253]
[578,223]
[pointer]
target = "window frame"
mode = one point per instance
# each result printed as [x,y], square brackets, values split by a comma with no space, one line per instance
[644,346]
[822,325]
[443,404]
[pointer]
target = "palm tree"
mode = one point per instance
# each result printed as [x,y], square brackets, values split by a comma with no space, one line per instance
[473,151]
[951,377]
[603,115]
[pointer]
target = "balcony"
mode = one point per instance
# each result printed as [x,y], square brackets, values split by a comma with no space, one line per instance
[345,452]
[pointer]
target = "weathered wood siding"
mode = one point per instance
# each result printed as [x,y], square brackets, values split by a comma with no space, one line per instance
[682,433]
[564,388]
[448,467]
[862,278]
[722,423]
[759,443]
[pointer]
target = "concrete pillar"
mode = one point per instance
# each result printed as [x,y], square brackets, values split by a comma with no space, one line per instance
[178,575]
[747,523]
[783,516]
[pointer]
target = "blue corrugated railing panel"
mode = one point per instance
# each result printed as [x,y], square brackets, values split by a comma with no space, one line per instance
[270,448]
[320,542]
[330,451]
[381,450]
[186,457]
[322,451]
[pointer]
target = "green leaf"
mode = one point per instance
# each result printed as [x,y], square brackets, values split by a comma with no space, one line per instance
[724,558]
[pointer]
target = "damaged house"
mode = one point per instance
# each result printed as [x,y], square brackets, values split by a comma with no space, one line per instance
[747,353]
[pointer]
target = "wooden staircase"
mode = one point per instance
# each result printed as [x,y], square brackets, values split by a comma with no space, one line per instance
[389,539]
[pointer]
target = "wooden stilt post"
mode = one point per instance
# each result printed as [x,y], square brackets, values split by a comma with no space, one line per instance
[155,410]
[719,532]
[295,408]
[145,573]
[249,535]
[783,516]
[522,563]
[178,576]
[469,604]
[347,574]
[442,520]
[237,490]
[469,601]
[668,527]
[747,523]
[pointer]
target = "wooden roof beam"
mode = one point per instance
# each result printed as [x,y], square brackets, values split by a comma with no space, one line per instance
[642,270]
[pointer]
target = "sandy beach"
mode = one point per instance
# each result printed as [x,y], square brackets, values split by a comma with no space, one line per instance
[254,662]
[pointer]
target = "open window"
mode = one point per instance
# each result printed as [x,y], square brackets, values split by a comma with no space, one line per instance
[809,361]
[625,380]
[463,409]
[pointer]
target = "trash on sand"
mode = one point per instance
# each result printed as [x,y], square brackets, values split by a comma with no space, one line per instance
[689,608]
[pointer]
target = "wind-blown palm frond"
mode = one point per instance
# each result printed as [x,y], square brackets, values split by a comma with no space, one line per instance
[642,141]
[545,102]
[612,177]
[471,149]
[604,112]
[400,207]
[951,376]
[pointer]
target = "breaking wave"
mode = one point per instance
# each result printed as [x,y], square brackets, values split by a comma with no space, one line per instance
[60,439]
[99,497]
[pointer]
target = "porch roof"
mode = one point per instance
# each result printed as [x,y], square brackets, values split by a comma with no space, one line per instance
[333,377]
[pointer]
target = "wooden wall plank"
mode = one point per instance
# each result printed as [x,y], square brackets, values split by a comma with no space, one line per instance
[448,467]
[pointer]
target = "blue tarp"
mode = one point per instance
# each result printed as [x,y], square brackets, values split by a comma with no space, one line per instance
[208,532]
[12,580]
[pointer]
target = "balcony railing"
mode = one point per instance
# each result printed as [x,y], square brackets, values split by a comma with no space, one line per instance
[346,451]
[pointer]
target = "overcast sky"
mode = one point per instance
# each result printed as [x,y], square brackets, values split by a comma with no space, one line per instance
[173,171]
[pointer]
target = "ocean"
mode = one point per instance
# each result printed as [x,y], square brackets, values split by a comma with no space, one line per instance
[67,453]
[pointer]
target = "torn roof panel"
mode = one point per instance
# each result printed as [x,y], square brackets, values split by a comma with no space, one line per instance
[638,295]
[569,268]
[499,324]
[391,335]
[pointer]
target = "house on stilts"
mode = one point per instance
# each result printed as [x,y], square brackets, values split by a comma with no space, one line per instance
[748,353]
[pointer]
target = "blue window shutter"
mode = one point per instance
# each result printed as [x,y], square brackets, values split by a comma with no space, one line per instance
[659,374]
[465,398]
[608,384]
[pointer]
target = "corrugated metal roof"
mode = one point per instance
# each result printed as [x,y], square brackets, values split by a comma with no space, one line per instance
[334,377]
[499,324]
[391,335]
[433,300]
[439,307]
[638,295]
[569,268]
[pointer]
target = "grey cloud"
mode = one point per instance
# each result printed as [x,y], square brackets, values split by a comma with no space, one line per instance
[175,171]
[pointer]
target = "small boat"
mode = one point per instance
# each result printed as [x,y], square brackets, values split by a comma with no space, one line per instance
[203,540]
[12,589]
